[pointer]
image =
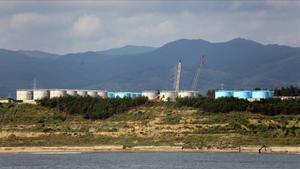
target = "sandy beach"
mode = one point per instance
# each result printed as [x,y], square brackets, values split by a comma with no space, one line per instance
[120,148]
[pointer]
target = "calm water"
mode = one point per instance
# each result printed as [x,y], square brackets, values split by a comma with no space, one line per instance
[150,161]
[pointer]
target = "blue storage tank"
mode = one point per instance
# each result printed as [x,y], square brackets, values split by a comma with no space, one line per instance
[223,93]
[110,94]
[236,94]
[244,94]
[134,95]
[122,94]
[261,94]
[271,94]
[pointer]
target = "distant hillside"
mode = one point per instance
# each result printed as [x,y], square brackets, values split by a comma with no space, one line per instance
[238,63]
[127,50]
[38,54]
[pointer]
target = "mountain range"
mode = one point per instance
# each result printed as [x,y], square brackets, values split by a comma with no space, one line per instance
[238,64]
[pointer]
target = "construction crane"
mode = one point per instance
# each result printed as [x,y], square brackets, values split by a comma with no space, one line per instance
[177,76]
[197,73]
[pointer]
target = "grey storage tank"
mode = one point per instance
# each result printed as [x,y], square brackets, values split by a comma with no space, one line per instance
[71,92]
[102,94]
[23,94]
[39,94]
[188,94]
[57,93]
[92,93]
[82,93]
[150,94]
[168,95]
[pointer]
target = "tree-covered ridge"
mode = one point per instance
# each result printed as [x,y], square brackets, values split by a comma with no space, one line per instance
[230,104]
[100,108]
[287,91]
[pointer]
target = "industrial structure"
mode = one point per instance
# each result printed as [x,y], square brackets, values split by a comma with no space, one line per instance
[197,73]
[31,96]
[245,94]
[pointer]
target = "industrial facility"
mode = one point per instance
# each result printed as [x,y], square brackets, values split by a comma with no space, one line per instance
[245,94]
[32,95]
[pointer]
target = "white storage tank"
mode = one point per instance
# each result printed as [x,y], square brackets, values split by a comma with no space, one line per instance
[24,94]
[196,93]
[39,94]
[102,94]
[92,93]
[71,92]
[167,95]
[151,95]
[82,93]
[189,94]
[57,93]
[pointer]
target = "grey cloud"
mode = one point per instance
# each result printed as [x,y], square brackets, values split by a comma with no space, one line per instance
[73,26]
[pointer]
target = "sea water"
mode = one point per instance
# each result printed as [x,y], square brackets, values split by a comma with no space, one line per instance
[150,161]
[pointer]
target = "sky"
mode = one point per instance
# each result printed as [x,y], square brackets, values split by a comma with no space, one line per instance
[70,26]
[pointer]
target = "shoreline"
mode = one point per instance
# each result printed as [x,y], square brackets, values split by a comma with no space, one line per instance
[120,148]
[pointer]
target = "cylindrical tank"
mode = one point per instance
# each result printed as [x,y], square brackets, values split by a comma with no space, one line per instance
[196,93]
[188,94]
[82,93]
[236,94]
[271,93]
[261,94]
[40,94]
[224,93]
[134,95]
[121,94]
[167,95]
[71,92]
[57,93]
[92,93]
[24,95]
[111,94]
[151,95]
[243,94]
[102,94]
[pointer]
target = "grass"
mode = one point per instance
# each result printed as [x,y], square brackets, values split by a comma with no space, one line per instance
[154,124]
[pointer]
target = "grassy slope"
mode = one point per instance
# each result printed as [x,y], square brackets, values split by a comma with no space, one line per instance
[158,124]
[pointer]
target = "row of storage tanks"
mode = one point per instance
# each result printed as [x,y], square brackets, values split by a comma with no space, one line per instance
[245,94]
[37,94]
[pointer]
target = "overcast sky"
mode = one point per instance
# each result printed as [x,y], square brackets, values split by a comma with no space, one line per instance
[76,26]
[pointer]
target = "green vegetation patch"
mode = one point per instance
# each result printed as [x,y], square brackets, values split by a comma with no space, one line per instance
[92,108]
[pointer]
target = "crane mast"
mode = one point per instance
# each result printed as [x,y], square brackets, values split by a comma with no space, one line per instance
[177,74]
[197,73]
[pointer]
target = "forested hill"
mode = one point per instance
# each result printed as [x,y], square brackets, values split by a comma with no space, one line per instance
[238,63]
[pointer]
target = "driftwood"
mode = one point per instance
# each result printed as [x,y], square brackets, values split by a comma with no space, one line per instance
[263,146]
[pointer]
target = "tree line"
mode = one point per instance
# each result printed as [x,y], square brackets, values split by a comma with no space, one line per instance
[230,104]
[92,108]
[100,108]
[287,91]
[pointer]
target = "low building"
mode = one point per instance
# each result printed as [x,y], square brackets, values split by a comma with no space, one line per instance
[7,100]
